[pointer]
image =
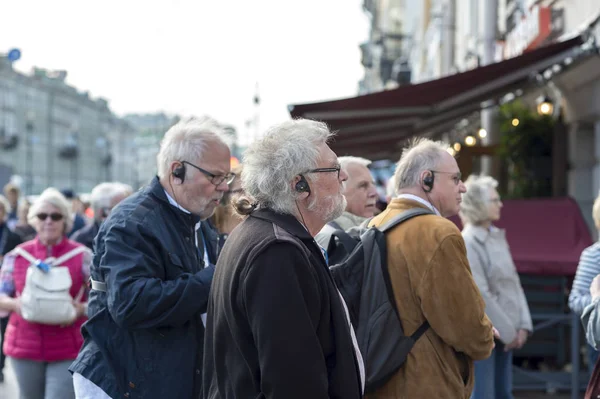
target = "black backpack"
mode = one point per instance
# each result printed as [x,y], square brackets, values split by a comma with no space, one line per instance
[358,259]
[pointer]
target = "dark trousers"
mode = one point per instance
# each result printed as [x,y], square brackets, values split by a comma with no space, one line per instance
[3,324]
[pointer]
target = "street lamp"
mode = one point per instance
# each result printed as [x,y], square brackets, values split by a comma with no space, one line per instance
[545,106]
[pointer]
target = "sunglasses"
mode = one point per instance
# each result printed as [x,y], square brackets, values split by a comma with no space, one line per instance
[54,216]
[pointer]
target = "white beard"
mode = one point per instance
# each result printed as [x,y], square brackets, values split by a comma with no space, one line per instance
[337,206]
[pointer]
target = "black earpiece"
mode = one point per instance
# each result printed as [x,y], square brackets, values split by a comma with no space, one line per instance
[428,182]
[302,185]
[179,172]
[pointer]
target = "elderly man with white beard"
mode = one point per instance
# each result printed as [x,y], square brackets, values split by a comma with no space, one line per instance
[277,326]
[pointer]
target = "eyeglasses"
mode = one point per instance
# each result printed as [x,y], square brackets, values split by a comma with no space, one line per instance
[325,170]
[457,177]
[54,216]
[214,179]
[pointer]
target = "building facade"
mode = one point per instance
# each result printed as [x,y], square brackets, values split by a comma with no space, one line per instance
[450,36]
[151,128]
[52,135]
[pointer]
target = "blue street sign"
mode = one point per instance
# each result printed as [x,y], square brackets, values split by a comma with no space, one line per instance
[14,54]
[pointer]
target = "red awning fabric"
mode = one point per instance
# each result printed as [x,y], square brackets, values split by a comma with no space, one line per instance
[372,125]
[546,236]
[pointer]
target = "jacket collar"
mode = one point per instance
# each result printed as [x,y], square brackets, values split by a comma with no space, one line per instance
[286,221]
[158,191]
[59,247]
[481,234]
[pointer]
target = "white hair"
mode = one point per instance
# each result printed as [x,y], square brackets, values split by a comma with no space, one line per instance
[103,194]
[422,154]
[271,163]
[186,141]
[474,205]
[6,205]
[53,197]
[125,188]
[348,160]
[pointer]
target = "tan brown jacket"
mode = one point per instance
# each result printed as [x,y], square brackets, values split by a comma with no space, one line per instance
[432,281]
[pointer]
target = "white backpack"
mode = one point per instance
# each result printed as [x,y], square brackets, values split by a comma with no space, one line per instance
[46,298]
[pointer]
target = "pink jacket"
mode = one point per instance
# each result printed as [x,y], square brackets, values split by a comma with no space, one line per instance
[40,342]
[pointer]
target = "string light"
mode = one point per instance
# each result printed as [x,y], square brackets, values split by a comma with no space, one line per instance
[482,133]
[470,141]
[515,122]
[457,147]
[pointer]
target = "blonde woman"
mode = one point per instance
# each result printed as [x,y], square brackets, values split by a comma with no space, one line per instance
[496,276]
[40,354]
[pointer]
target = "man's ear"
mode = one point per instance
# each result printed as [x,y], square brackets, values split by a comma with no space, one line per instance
[177,172]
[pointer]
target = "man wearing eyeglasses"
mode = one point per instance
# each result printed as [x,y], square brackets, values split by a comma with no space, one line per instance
[432,281]
[277,326]
[150,282]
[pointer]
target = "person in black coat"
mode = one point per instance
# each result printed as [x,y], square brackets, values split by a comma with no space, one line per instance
[8,242]
[150,283]
[277,326]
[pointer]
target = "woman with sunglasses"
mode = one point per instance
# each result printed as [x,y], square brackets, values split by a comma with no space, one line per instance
[40,354]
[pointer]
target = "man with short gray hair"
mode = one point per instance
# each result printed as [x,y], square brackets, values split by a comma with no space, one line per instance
[150,287]
[431,279]
[360,193]
[104,197]
[277,326]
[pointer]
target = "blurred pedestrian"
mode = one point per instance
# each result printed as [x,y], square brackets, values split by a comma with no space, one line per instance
[40,354]
[8,241]
[150,284]
[587,269]
[591,326]
[79,220]
[496,276]
[22,228]
[226,218]
[104,197]
[12,194]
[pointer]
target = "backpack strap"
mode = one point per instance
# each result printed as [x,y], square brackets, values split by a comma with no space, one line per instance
[420,331]
[404,216]
[72,253]
[23,253]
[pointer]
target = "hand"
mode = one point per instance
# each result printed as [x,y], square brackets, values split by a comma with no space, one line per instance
[595,287]
[79,312]
[80,309]
[16,306]
[522,336]
[496,333]
[513,345]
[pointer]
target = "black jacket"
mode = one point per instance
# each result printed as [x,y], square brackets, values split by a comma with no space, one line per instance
[276,326]
[144,336]
[8,240]
[87,234]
